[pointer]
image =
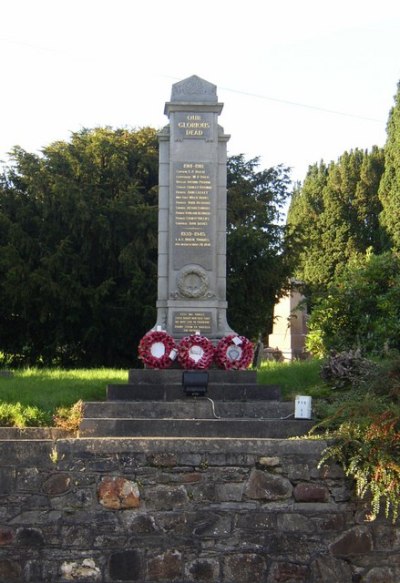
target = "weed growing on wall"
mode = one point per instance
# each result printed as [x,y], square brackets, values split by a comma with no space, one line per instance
[371,455]
[363,424]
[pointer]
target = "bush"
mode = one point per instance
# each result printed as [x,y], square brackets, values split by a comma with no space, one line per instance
[315,343]
[18,415]
[370,453]
[363,426]
[361,309]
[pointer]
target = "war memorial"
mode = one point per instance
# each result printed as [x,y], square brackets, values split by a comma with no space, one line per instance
[188,473]
[196,377]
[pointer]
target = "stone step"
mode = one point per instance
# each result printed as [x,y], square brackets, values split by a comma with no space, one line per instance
[206,428]
[139,376]
[34,433]
[190,408]
[174,391]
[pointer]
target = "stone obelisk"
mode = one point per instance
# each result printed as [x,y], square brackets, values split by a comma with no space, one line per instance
[192,214]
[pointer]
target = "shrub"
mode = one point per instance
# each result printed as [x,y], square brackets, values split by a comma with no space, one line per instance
[315,343]
[363,426]
[18,415]
[371,455]
[361,309]
[69,418]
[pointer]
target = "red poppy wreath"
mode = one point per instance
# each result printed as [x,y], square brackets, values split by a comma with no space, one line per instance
[234,352]
[195,351]
[157,349]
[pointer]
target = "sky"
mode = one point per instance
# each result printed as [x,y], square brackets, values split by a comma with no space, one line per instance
[301,81]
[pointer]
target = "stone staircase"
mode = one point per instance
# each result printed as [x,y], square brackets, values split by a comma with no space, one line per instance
[154,404]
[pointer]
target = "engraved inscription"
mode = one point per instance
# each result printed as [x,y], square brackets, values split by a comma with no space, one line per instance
[193,125]
[192,205]
[191,322]
[194,194]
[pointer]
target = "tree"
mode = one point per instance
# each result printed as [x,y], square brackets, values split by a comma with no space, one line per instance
[78,249]
[304,223]
[258,256]
[335,215]
[389,191]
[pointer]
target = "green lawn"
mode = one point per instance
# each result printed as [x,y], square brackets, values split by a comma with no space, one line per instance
[298,377]
[31,397]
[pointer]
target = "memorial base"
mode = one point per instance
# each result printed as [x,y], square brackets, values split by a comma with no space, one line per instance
[154,403]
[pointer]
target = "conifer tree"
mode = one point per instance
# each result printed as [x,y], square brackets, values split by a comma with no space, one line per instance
[389,191]
[78,248]
[304,221]
[78,252]
[335,215]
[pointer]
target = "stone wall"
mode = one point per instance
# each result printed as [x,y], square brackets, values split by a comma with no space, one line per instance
[237,511]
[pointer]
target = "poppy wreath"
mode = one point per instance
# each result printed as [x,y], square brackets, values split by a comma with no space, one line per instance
[157,349]
[234,352]
[195,351]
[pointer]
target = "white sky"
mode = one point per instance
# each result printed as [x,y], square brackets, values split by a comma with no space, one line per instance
[69,64]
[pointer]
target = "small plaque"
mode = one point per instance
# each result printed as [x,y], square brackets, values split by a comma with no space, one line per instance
[192,322]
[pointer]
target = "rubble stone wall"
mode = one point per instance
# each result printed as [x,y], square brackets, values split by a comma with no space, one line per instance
[187,510]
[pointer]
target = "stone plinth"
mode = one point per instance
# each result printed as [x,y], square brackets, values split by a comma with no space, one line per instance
[154,404]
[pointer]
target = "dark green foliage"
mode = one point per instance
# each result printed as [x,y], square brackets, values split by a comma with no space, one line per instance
[389,191]
[344,216]
[363,428]
[258,258]
[335,215]
[361,309]
[78,249]
[368,448]
[305,210]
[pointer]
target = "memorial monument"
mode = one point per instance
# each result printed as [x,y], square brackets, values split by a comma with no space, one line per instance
[224,399]
[192,214]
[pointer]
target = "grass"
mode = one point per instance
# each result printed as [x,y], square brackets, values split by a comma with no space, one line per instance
[298,377]
[31,397]
[34,397]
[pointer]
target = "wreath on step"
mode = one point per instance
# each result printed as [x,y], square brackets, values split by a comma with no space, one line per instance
[157,349]
[234,352]
[195,352]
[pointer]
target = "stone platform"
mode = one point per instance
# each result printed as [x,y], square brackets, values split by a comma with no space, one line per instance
[153,404]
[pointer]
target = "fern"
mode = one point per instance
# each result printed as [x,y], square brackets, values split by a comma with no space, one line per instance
[370,454]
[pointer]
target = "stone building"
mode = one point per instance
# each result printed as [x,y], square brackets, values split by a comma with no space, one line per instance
[290,326]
